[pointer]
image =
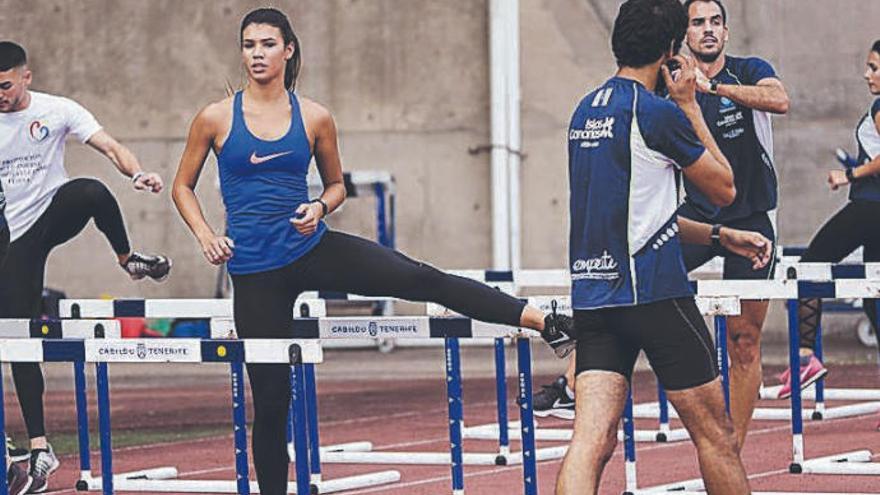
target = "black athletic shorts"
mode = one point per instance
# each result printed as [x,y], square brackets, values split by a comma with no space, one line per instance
[672,333]
[736,267]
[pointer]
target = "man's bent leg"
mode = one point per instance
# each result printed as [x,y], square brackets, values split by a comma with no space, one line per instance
[702,411]
[744,347]
[595,431]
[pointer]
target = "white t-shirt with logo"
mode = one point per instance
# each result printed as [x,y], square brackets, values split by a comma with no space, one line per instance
[32,155]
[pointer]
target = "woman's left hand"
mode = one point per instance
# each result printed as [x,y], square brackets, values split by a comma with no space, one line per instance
[308,215]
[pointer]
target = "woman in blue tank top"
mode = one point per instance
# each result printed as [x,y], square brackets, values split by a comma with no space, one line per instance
[853,225]
[277,244]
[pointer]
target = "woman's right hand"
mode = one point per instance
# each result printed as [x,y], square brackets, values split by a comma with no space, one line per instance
[217,248]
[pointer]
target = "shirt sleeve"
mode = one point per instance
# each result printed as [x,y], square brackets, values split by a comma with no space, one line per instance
[875,108]
[81,124]
[756,69]
[672,134]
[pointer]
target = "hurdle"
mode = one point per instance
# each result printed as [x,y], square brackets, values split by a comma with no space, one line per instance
[160,478]
[102,351]
[450,330]
[710,306]
[834,282]
[513,282]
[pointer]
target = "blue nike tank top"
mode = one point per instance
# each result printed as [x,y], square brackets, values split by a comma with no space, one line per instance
[262,183]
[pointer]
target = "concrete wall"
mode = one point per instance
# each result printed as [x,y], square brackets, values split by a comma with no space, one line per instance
[407,81]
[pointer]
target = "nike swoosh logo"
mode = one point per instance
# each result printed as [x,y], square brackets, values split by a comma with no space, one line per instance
[256,160]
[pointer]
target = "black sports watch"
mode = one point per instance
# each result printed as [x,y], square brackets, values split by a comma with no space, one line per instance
[715,236]
[713,87]
[849,175]
[323,205]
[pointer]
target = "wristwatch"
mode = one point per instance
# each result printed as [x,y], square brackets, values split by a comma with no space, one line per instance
[849,175]
[713,87]
[323,206]
[716,235]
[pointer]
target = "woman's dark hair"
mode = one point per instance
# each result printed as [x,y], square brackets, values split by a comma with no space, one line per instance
[276,18]
[646,29]
[687,7]
[876,47]
[12,55]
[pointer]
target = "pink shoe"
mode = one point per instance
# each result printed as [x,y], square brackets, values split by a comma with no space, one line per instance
[811,372]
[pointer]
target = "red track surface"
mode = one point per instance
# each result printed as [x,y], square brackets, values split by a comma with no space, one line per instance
[411,416]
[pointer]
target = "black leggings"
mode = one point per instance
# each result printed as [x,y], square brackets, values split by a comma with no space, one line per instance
[4,242]
[263,304]
[853,226]
[21,277]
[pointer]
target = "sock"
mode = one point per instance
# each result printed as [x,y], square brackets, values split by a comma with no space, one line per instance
[805,360]
[569,392]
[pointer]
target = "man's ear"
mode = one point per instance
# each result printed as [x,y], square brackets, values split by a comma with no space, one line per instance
[27,76]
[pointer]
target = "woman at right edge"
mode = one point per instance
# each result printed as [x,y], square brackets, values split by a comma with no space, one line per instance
[850,227]
[264,138]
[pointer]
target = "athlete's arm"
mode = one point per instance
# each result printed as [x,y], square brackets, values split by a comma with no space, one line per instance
[837,178]
[216,248]
[125,161]
[751,245]
[768,95]
[711,173]
[326,151]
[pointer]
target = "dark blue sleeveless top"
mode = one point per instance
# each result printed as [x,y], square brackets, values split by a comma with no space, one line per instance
[262,184]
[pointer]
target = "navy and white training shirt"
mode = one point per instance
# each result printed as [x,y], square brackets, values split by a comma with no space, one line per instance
[868,139]
[624,144]
[745,136]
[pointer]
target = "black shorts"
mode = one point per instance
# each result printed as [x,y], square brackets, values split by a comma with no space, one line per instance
[672,333]
[736,267]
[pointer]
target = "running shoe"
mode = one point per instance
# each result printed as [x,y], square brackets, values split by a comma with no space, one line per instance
[553,400]
[140,265]
[17,480]
[558,332]
[43,463]
[810,372]
[17,454]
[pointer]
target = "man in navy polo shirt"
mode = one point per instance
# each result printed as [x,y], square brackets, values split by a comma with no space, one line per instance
[737,97]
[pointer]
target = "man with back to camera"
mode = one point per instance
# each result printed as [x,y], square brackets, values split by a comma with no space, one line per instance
[46,209]
[737,97]
[625,145]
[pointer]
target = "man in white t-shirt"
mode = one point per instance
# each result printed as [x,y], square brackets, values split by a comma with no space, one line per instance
[45,208]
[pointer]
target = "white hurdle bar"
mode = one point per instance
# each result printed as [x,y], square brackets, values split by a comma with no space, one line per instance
[59,329]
